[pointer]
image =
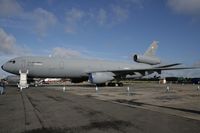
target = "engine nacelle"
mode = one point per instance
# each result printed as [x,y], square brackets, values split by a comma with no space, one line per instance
[100,77]
[146,59]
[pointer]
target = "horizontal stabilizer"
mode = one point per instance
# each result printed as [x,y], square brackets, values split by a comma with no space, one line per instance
[170,65]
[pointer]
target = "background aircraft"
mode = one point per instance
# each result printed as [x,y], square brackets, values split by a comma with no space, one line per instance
[94,71]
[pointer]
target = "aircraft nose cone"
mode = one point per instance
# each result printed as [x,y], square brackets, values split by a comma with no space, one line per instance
[2,67]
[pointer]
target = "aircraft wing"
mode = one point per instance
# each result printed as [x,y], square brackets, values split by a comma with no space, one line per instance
[154,69]
[142,71]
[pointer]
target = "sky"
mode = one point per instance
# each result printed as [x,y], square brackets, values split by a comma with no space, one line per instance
[102,29]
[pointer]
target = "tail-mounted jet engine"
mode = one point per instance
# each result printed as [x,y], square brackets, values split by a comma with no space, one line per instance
[146,59]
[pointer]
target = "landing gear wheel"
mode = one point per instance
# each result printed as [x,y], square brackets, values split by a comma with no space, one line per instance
[111,84]
[120,84]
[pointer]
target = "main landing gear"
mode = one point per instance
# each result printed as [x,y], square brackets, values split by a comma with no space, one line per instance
[114,84]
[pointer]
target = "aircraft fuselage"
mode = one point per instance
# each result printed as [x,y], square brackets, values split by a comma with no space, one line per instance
[55,67]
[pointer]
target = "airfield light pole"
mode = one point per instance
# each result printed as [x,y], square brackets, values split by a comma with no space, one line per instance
[64,88]
[96,89]
[167,89]
[128,90]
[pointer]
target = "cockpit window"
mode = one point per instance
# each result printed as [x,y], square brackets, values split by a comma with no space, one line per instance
[12,61]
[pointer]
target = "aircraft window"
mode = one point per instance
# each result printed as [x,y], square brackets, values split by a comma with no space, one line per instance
[12,61]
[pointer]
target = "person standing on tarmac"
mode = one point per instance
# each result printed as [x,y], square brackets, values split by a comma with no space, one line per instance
[2,87]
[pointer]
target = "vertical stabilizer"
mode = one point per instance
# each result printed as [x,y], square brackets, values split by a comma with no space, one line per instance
[149,56]
[152,49]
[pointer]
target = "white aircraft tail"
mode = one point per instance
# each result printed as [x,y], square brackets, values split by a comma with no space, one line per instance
[152,49]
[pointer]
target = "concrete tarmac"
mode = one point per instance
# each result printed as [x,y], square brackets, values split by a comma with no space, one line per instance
[43,109]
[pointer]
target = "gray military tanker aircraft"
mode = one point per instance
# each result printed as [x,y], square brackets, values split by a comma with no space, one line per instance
[94,71]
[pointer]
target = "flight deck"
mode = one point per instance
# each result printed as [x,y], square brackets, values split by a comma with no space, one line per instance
[138,108]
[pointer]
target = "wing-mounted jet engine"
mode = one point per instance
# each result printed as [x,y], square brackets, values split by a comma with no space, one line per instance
[100,77]
[149,56]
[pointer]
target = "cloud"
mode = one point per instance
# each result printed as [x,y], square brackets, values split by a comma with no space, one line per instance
[7,43]
[108,16]
[187,7]
[63,52]
[9,8]
[196,64]
[73,17]
[190,73]
[195,72]
[76,18]
[135,3]
[38,20]
[43,20]
[120,14]
[102,17]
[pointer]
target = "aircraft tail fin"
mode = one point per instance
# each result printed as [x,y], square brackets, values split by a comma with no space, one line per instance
[149,56]
[152,49]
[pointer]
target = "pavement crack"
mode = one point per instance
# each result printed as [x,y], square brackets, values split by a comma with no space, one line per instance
[24,108]
[56,98]
[131,102]
[35,110]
